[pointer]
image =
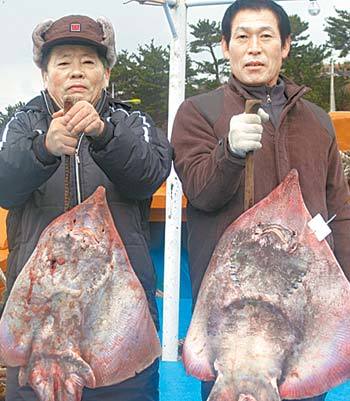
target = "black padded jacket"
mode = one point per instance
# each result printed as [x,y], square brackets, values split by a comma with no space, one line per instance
[130,159]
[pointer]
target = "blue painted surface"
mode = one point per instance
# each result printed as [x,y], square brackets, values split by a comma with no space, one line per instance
[175,385]
[340,393]
[157,251]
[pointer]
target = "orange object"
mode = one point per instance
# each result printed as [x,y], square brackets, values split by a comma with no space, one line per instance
[3,246]
[341,122]
[3,237]
[158,205]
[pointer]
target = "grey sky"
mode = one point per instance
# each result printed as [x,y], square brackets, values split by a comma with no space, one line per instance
[135,24]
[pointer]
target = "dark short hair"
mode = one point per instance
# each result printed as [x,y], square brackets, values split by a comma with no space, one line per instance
[239,5]
[46,57]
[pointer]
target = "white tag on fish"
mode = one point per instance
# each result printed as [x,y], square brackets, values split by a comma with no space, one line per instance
[319,227]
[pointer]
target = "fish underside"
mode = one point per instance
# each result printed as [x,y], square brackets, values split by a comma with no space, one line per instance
[272,318]
[77,315]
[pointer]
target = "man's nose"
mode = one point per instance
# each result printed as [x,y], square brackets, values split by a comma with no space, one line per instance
[77,72]
[254,45]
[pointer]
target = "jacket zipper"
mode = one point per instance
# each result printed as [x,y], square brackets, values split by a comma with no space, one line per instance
[291,103]
[77,169]
[285,110]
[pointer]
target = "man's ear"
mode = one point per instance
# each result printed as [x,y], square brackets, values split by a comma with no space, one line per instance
[107,75]
[225,49]
[286,47]
[44,78]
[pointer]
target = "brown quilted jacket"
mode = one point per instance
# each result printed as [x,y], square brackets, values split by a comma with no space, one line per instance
[213,179]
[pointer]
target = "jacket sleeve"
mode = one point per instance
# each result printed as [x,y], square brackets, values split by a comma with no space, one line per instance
[210,174]
[338,197]
[133,153]
[25,164]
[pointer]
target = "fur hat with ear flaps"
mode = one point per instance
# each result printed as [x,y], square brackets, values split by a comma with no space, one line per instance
[75,29]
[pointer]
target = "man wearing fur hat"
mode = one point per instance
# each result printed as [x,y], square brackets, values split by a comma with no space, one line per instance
[109,145]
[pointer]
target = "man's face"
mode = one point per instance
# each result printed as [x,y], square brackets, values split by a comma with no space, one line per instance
[255,50]
[75,70]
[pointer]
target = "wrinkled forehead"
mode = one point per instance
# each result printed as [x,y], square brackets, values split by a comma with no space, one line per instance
[71,50]
[255,20]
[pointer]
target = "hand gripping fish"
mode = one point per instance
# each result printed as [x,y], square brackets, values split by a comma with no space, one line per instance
[77,315]
[272,318]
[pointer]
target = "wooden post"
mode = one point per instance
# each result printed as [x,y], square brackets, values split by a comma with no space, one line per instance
[251,107]
[68,104]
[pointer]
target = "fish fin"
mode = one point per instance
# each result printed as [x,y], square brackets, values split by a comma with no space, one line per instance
[9,355]
[118,353]
[323,358]
[14,343]
[323,363]
[196,359]
[119,336]
[196,354]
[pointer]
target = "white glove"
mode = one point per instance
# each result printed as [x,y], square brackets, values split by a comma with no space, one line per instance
[245,132]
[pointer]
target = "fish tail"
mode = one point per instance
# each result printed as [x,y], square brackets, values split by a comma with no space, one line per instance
[255,387]
[243,388]
[222,391]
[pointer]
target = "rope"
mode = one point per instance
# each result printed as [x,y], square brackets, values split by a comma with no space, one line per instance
[68,104]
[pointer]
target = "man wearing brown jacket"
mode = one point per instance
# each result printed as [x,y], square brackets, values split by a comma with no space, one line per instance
[212,135]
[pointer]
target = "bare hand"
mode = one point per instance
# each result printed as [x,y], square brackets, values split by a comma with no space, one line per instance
[59,140]
[83,117]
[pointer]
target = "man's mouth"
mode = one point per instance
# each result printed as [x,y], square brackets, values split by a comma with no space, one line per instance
[254,64]
[77,88]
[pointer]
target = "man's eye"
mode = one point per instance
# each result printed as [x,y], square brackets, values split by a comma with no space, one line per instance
[266,36]
[62,63]
[242,37]
[89,62]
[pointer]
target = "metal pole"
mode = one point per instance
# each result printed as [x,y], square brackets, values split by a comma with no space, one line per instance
[172,243]
[332,94]
[170,20]
[171,3]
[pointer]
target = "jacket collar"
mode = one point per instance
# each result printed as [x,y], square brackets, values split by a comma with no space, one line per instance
[276,94]
[291,89]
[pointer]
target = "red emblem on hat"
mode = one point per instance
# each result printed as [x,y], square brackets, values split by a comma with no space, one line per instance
[75,27]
